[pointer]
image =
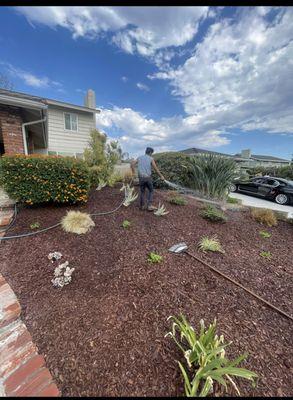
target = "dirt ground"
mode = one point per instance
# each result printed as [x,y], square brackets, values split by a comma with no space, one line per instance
[103,335]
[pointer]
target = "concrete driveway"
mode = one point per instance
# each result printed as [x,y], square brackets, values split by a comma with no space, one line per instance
[258,202]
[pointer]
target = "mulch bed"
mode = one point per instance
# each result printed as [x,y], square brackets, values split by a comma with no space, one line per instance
[103,335]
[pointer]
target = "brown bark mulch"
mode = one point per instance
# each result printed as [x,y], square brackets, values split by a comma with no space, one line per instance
[103,334]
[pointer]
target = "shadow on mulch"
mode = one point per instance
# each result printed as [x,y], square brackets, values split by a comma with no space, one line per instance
[103,335]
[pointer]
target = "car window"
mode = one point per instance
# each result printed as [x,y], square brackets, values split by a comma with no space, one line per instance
[258,180]
[271,182]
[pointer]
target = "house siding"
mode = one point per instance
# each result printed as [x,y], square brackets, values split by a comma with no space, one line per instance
[63,141]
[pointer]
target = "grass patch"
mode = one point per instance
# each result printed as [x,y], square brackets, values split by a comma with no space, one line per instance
[154,258]
[178,200]
[232,200]
[212,214]
[264,216]
[210,244]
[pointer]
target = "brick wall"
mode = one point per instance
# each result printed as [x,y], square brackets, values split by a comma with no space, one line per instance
[10,125]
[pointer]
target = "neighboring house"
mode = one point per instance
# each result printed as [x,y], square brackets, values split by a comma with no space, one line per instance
[245,159]
[31,124]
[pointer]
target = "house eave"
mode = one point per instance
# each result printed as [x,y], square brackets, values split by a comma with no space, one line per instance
[71,106]
[20,102]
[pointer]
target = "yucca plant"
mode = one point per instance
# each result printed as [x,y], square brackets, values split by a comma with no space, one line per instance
[161,210]
[210,244]
[101,184]
[204,353]
[265,234]
[211,175]
[130,195]
[154,258]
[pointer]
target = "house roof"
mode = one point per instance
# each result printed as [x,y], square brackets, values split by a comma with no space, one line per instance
[194,150]
[27,99]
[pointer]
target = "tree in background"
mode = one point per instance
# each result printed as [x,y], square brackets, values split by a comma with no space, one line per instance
[5,83]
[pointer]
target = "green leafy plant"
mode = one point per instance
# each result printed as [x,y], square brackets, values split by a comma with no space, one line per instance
[264,216]
[232,200]
[265,234]
[126,224]
[210,244]
[178,200]
[211,175]
[161,210]
[35,225]
[213,214]
[154,258]
[36,179]
[266,254]
[204,353]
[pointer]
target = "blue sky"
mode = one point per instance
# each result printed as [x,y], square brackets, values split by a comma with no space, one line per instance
[218,78]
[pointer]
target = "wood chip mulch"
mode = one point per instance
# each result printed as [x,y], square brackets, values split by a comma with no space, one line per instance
[103,335]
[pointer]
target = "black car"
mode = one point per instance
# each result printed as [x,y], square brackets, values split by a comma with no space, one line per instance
[278,189]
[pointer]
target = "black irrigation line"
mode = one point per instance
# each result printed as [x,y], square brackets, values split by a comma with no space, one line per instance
[206,264]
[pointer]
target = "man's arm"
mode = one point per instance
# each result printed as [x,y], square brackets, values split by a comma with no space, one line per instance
[157,170]
[132,165]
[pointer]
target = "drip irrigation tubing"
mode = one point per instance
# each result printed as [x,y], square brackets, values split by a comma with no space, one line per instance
[12,222]
[235,282]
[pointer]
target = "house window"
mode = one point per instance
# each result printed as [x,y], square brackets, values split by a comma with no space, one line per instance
[70,122]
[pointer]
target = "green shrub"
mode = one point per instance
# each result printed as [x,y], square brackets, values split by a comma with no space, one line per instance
[36,179]
[154,258]
[126,224]
[205,355]
[173,166]
[285,172]
[178,200]
[211,175]
[213,214]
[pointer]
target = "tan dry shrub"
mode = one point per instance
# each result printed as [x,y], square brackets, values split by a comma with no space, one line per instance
[77,222]
[264,216]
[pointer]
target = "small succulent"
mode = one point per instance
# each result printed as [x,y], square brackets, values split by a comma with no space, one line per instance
[154,258]
[161,210]
[130,195]
[56,255]
[126,224]
[101,184]
[62,275]
[266,254]
[35,225]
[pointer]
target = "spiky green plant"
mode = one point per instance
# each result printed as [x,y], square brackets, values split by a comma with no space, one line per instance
[265,234]
[266,254]
[126,224]
[213,214]
[204,353]
[161,210]
[130,195]
[210,244]
[212,175]
[154,258]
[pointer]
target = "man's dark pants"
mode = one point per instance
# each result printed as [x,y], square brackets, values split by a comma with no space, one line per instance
[146,182]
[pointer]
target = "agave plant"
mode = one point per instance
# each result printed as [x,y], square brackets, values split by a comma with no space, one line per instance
[205,356]
[130,195]
[101,184]
[211,175]
[161,210]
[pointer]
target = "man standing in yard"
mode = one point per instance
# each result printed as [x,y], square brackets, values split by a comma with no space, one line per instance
[144,166]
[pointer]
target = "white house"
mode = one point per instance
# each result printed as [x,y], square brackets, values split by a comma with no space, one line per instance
[31,124]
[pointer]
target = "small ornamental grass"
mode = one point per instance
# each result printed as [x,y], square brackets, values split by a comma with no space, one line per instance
[210,244]
[204,354]
[264,216]
[77,222]
[212,214]
[266,254]
[154,258]
[232,200]
[178,200]
[265,234]
[126,224]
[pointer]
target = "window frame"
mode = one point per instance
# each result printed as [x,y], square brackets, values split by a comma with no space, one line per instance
[70,113]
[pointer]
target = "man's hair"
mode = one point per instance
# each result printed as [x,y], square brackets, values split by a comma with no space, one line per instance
[149,150]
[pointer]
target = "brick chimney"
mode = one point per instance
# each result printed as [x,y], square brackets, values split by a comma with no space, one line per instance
[246,153]
[90,99]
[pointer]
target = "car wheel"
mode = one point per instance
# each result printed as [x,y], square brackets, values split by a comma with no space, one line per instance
[233,187]
[281,198]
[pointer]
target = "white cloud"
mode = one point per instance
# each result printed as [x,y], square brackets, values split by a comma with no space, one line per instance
[136,131]
[142,30]
[31,79]
[240,75]
[142,86]
[124,78]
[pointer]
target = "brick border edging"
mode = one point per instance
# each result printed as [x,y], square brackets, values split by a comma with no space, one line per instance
[23,371]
